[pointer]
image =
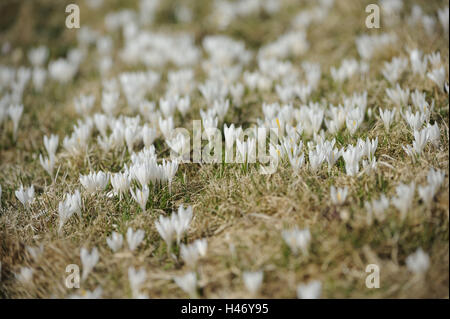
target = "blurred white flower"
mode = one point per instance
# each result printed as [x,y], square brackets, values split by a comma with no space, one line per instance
[191,253]
[115,241]
[253,281]
[15,113]
[134,239]
[140,196]
[387,116]
[25,196]
[88,260]
[136,279]
[47,163]
[404,198]
[438,77]
[297,239]
[311,290]
[51,144]
[94,181]
[338,195]
[188,283]
[418,262]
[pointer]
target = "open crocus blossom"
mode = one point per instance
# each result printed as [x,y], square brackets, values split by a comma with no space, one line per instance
[338,195]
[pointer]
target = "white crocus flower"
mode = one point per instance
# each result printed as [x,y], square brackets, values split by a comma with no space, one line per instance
[387,116]
[312,290]
[166,126]
[88,260]
[418,262]
[253,281]
[427,193]
[191,253]
[110,102]
[25,196]
[47,163]
[404,198]
[188,283]
[15,113]
[438,77]
[149,135]
[120,183]
[181,221]
[166,230]
[316,159]
[115,241]
[94,182]
[433,134]
[297,239]
[69,206]
[339,195]
[136,279]
[184,104]
[351,158]
[174,226]
[420,140]
[435,177]
[38,55]
[140,196]
[376,208]
[51,144]
[134,239]
[170,169]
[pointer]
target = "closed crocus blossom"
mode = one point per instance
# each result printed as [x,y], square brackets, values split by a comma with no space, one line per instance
[170,169]
[404,198]
[387,116]
[438,77]
[47,163]
[188,283]
[253,281]
[166,230]
[140,196]
[136,279]
[149,135]
[375,209]
[134,238]
[115,241]
[66,208]
[15,113]
[88,260]
[51,144]
[120,183]
[25,196]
